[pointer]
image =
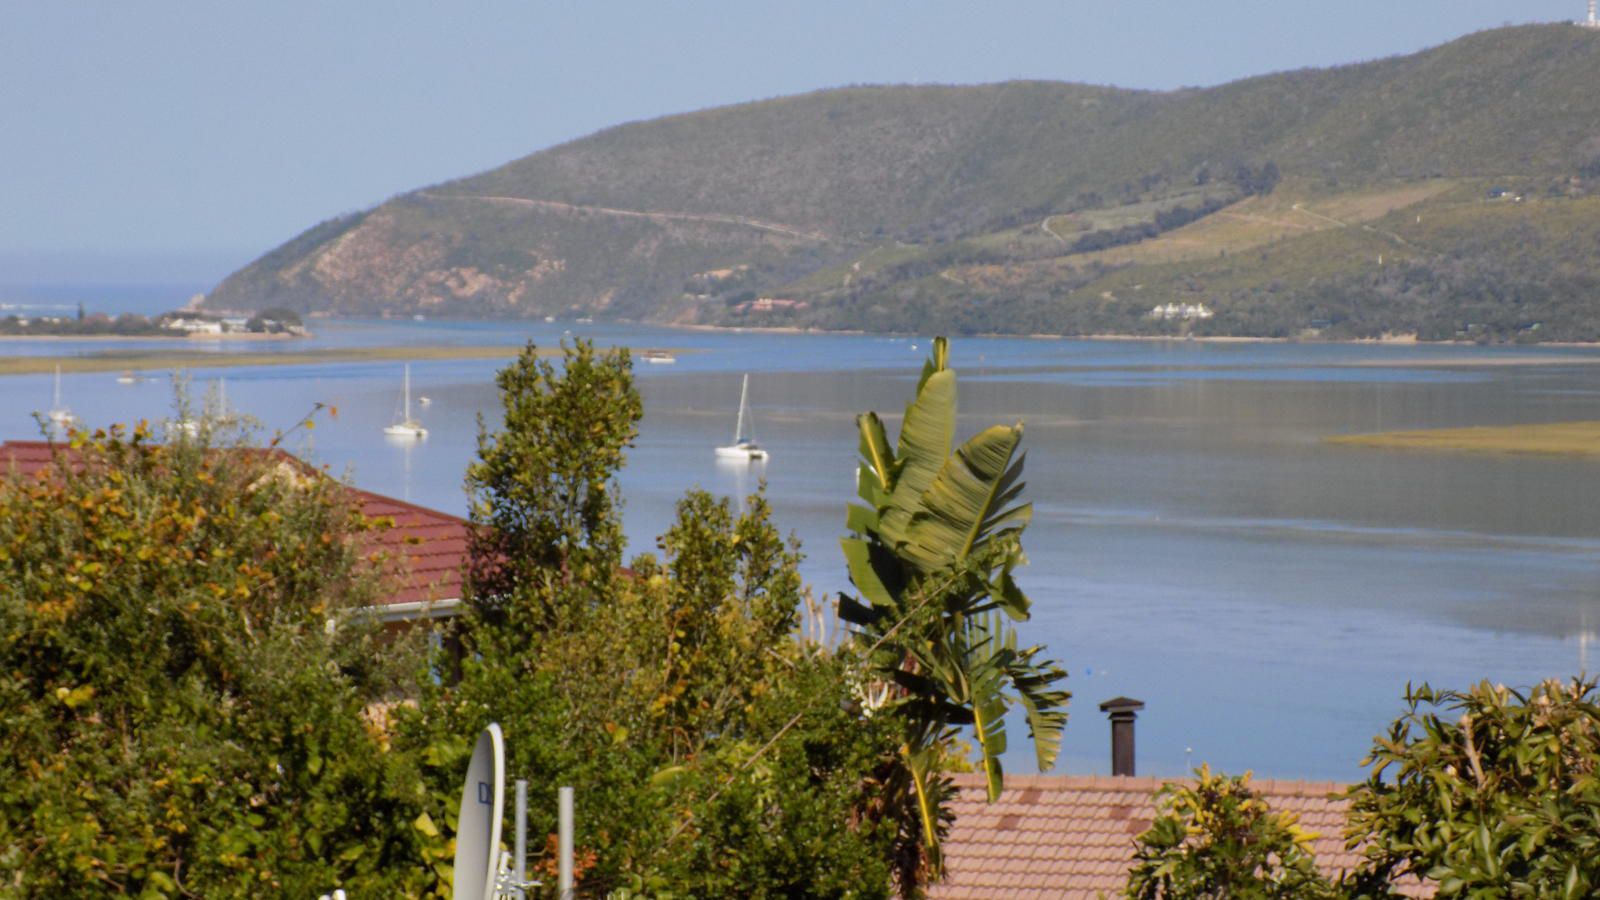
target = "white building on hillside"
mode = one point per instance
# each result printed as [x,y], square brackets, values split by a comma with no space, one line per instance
[1184,311]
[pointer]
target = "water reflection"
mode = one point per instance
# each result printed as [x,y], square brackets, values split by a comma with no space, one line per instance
[739,478]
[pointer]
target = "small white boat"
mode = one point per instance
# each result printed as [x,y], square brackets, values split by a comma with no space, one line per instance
[127,377]
[424,401]
[659,357]
[407,427]
[59,413]
[743,447]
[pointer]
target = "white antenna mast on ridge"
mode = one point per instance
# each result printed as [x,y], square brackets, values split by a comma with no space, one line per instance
[1594,16]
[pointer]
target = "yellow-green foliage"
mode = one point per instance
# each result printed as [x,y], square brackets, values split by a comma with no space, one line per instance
[184,689]
[1217,838]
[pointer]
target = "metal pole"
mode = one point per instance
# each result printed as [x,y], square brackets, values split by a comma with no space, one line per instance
[520,864]
[565,884]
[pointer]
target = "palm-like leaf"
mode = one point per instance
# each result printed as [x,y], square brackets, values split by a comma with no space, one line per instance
[925,438]
[932,552]
[1044,704]
[970,500]
[984,661]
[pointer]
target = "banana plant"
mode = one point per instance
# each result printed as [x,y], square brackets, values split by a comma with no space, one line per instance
[932,553]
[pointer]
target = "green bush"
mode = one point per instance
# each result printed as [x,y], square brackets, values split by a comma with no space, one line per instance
[186,694]
[1490,792]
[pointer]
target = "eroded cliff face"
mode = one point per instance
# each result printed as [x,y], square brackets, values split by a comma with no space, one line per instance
[462,256]
[385,260]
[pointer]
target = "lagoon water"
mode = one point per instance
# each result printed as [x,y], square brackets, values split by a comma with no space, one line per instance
[1195,544]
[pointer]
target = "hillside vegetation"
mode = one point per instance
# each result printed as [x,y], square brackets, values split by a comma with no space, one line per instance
[1454,193]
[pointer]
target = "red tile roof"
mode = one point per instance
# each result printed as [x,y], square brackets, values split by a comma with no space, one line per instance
[1072,837]
[432,544]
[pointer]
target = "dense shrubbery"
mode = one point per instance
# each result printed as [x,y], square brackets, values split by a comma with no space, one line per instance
[184,686]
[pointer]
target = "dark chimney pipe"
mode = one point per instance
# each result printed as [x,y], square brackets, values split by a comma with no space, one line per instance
[1122,711]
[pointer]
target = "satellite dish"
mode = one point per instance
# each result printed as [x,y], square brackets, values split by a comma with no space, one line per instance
[478,822]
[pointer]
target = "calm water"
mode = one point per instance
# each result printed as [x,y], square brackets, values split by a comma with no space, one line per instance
[1194,545]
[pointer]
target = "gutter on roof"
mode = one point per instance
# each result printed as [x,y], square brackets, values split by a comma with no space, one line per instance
[414,610]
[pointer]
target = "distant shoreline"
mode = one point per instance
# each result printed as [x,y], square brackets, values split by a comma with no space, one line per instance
[230,336]
[155,360]
[1391,340]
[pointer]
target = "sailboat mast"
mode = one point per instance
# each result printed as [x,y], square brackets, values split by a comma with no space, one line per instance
[408,392]
[57,404]
[744,393]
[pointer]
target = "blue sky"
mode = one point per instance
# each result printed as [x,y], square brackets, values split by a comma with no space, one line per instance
[181,139]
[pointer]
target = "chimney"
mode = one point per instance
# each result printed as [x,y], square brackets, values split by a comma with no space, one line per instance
[1122,711]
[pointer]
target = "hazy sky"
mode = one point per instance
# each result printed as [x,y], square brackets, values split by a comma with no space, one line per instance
[150,138]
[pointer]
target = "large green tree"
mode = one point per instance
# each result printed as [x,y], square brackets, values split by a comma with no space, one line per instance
[186,689]
[548,535]
[714,754]
[932,552]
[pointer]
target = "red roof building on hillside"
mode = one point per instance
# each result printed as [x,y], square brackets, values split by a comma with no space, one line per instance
[430,547]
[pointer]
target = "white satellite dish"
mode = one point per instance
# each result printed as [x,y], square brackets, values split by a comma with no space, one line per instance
[478,823]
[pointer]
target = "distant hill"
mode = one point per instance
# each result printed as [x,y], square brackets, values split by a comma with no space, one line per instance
[1347,202]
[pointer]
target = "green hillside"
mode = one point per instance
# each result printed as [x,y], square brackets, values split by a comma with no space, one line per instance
[1032,206]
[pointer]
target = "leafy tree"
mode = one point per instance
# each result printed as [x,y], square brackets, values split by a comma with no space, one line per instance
[713,753]
[544,490]
[1489,792]
[1217,839]
[932,551]
[186,693]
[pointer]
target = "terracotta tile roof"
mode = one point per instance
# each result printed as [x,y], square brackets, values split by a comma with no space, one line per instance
[1072,837]
[433,544]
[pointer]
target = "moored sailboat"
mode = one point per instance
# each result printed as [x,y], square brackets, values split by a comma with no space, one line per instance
[407,427]
[59,413]
[743,446]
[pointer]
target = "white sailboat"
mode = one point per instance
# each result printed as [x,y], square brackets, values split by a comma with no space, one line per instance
[407,427]
[743,447]
[59,413]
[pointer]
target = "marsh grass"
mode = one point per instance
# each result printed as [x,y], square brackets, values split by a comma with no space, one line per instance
[1553,439]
